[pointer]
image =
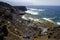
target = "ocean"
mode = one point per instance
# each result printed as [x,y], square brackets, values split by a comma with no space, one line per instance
[45,12]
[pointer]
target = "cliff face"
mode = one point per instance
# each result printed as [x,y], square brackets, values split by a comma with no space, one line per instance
[4,4]
[22,8]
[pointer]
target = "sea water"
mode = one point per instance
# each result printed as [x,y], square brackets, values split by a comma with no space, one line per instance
[45,12]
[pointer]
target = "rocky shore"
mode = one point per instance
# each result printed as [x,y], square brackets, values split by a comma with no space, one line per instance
[13,27]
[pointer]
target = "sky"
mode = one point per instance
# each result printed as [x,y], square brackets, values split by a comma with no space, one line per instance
[33,2]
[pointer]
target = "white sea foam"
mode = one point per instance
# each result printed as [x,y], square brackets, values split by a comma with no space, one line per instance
[24,17]
[47,19]
[30,18]
[34,11]
[27,18]
[58,23]
[41,9]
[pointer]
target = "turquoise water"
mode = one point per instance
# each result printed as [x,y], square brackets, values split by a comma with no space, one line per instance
[53,14]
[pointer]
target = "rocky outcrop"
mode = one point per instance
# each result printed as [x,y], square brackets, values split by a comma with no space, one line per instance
[22,8]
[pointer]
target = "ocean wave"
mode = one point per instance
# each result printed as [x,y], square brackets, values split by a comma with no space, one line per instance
[48,19]
[34,11]
[30,18]
[27,18]
[58,23]
[23,17]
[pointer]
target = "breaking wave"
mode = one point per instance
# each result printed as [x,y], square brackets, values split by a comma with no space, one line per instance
[34,11]
[29,18]
[58,23]
[48,19]
[43,14]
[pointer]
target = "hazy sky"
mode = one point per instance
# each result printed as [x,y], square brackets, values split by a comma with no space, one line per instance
[33,2]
